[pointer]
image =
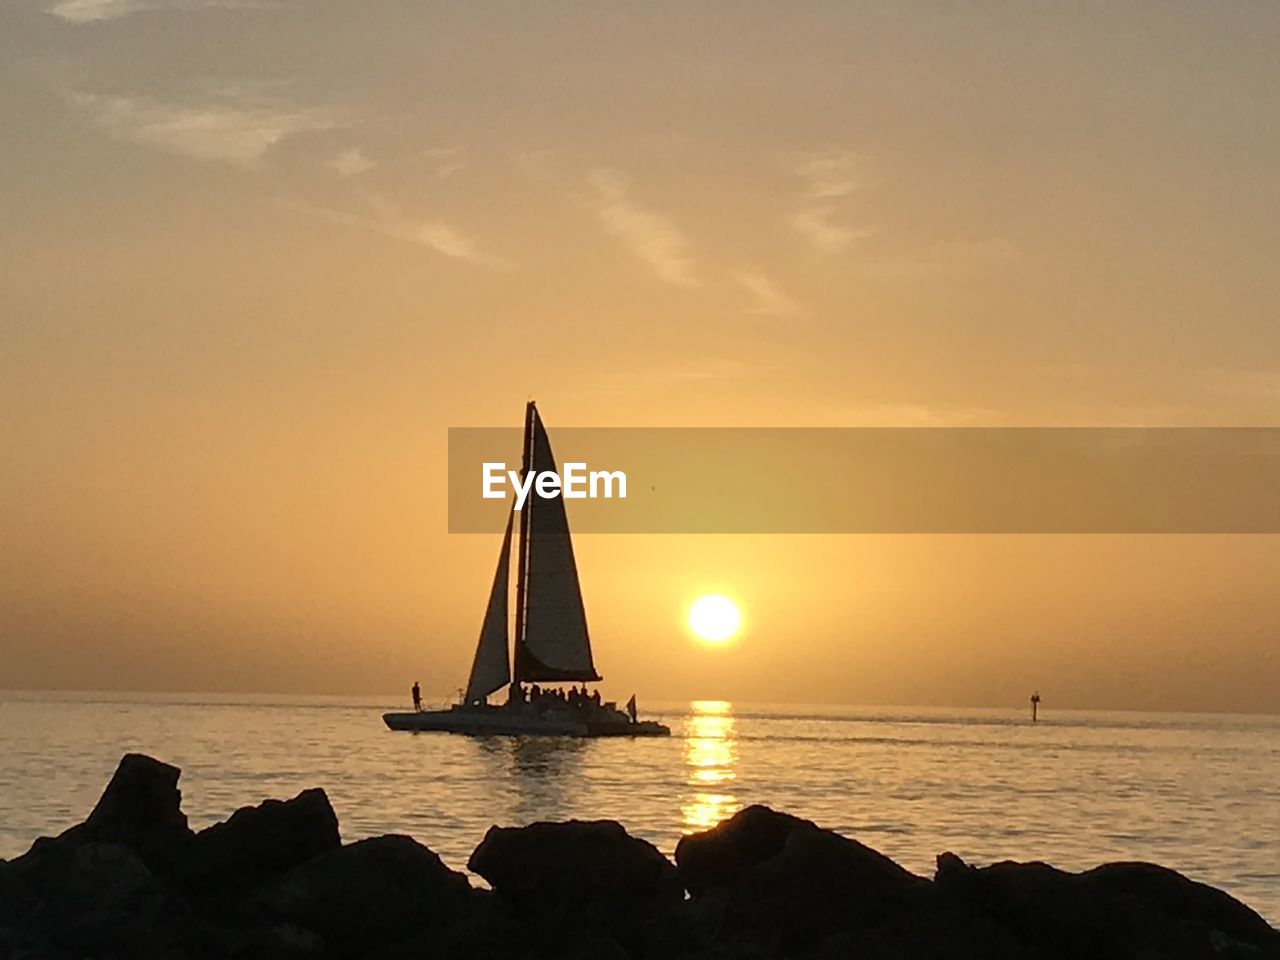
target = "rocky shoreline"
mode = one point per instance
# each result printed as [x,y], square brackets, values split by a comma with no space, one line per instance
[275,881]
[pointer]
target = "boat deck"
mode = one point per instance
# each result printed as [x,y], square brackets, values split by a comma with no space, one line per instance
[501,721]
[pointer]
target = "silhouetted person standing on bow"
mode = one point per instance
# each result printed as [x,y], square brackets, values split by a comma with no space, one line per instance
[417,696]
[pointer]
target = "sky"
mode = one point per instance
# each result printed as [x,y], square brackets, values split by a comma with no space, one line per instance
[256,256]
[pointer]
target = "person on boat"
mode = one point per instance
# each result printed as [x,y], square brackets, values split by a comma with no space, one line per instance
[631,708]
[417,697]
[595,697]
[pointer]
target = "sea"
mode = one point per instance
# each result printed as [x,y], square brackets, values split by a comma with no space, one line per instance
[1196,792]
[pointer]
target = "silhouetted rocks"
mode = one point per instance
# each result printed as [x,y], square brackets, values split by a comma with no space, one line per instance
[367,894]
[790,884]
[1119,910]
[91,899]
[141,808]
[274,882]
[258,843]
[723,855]
[563,876]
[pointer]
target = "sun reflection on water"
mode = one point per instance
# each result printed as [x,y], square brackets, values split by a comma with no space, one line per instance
[711,755]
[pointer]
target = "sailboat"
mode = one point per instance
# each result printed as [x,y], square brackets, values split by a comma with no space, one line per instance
[552,645]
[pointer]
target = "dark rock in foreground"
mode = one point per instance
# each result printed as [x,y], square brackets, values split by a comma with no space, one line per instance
[275,882]
[369,893]
[1117,910]
[790,884]
[258,843]
[566,876]
[141,808]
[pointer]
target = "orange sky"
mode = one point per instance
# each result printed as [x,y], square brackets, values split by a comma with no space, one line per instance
[256,259]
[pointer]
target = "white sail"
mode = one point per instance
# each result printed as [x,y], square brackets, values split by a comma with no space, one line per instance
[553,644]
[491,669]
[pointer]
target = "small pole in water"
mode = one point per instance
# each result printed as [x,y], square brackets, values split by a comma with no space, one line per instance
[1035,706]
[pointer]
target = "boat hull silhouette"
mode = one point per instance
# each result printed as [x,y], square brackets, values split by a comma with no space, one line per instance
[505,721]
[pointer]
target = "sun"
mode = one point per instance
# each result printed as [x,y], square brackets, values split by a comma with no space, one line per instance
[714,619]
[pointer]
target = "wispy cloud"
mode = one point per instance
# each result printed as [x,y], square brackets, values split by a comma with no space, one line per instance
[683,374]
[651,236]
[768,300]
[829,175]
[96,11]
[436,235]
[828,179]
[445,161]
[442,237]
[226,131]
[819,227]
[447,240]
[351,163]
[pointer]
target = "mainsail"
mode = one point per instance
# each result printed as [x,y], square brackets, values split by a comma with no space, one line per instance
[491,669]
[551,623]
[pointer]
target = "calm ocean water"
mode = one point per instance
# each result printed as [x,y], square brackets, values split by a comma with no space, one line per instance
[1200,793]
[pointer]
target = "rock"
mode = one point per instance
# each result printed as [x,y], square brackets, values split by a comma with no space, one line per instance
[256,844]
[272,882]
[1117,911]
[142,796]
[277,941]
[141,808]
[936,933]
[1177,896]
[791,884]
[566,877]
[367,894]
[503,941]
[97,899]
[722,855]
[484,931]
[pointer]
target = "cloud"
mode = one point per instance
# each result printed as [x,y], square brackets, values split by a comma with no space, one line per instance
[232,132]
[685,373]
[447,240]
[446,161]
[436,235]
[829,178]
[829,175]
[97,11]
[816,225]
[769,301]
[351,163]
[651,236]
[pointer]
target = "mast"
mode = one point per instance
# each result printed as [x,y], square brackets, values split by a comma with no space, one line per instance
[522,566]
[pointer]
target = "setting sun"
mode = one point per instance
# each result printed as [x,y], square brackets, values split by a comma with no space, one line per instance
[714,619]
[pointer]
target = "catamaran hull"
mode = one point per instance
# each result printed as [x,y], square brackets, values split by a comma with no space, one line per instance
[495,722]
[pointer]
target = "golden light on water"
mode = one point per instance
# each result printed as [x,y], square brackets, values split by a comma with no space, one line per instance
[711,755]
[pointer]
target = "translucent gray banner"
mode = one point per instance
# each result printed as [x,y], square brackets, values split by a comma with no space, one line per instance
[867,480]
